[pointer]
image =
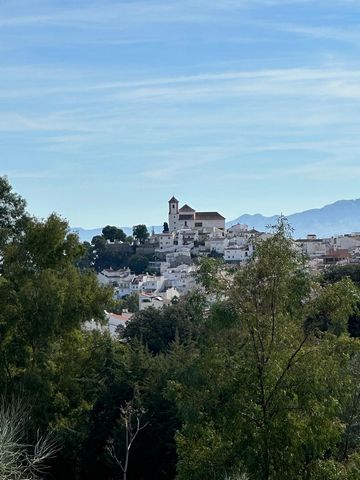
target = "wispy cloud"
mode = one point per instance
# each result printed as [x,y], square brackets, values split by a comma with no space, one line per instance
[349,34]
[117,14]
[322,81]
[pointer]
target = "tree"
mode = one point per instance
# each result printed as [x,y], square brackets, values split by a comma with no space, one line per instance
[158,329]
[43,298]
[131,418]
[12,212]
[166,227]
[140,233]
[138,264]
[336,273]
[109,255]
[99,243]
[132,303]
[113,233]
[264,394]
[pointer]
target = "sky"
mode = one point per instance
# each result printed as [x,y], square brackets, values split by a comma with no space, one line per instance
[109,108]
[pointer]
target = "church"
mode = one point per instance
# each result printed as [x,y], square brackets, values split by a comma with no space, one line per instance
[187,217]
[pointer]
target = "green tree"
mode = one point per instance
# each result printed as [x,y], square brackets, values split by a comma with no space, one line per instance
[43,297]
[140,233]
[338,272]
[113,233]
[12,212]
[158,329]
[138,264]
[107,255]
[132,303]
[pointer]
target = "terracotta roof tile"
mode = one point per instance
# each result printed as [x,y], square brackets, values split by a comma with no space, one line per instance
[208,216]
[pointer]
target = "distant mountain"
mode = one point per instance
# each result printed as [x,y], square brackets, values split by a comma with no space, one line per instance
[86,235]
[337,218]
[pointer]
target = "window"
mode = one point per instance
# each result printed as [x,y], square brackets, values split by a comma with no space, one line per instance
[198,224]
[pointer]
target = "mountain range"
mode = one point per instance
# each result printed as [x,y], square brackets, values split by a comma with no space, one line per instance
[340,217]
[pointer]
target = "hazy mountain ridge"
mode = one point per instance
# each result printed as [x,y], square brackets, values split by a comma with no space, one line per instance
[340,217]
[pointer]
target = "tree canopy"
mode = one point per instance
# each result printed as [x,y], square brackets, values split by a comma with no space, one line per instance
[140,233]
[113,233]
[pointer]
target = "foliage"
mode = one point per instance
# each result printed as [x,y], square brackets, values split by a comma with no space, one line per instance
[157,329]
[109,255]
[129,303]
[338,272]
[113,233]
[12,212]
[138,264]
[140,233]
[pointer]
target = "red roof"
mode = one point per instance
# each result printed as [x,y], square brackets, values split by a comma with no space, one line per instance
[208,216]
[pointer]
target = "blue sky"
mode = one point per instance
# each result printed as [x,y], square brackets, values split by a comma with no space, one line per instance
[108,108]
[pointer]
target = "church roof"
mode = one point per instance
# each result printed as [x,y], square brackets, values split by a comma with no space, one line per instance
[173,200]
[186,209]
[208,216]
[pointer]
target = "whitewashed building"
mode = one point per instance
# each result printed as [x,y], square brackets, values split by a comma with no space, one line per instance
[236,254]
[187,217]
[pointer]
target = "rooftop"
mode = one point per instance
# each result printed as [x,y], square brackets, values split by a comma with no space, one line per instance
[208,216]
[186,209]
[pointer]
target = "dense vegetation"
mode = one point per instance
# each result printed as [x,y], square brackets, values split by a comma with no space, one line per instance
[261,383]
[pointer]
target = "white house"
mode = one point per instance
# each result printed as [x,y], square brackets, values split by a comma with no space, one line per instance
[312,246]
[238,254]
[165,239]
[157,300]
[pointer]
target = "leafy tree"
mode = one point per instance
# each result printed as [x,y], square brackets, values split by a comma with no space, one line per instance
[99,243]
[43,297]
[338,272]
[12,212]
[113,233]
[132,303]
[263,395]
[140,233]
[105,255]
[166,227]
[158,329]
[130,369]
[138,264]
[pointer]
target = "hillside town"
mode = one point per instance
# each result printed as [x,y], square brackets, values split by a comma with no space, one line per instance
[189,235]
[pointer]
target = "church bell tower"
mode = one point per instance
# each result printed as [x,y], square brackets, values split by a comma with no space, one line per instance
[173,214]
